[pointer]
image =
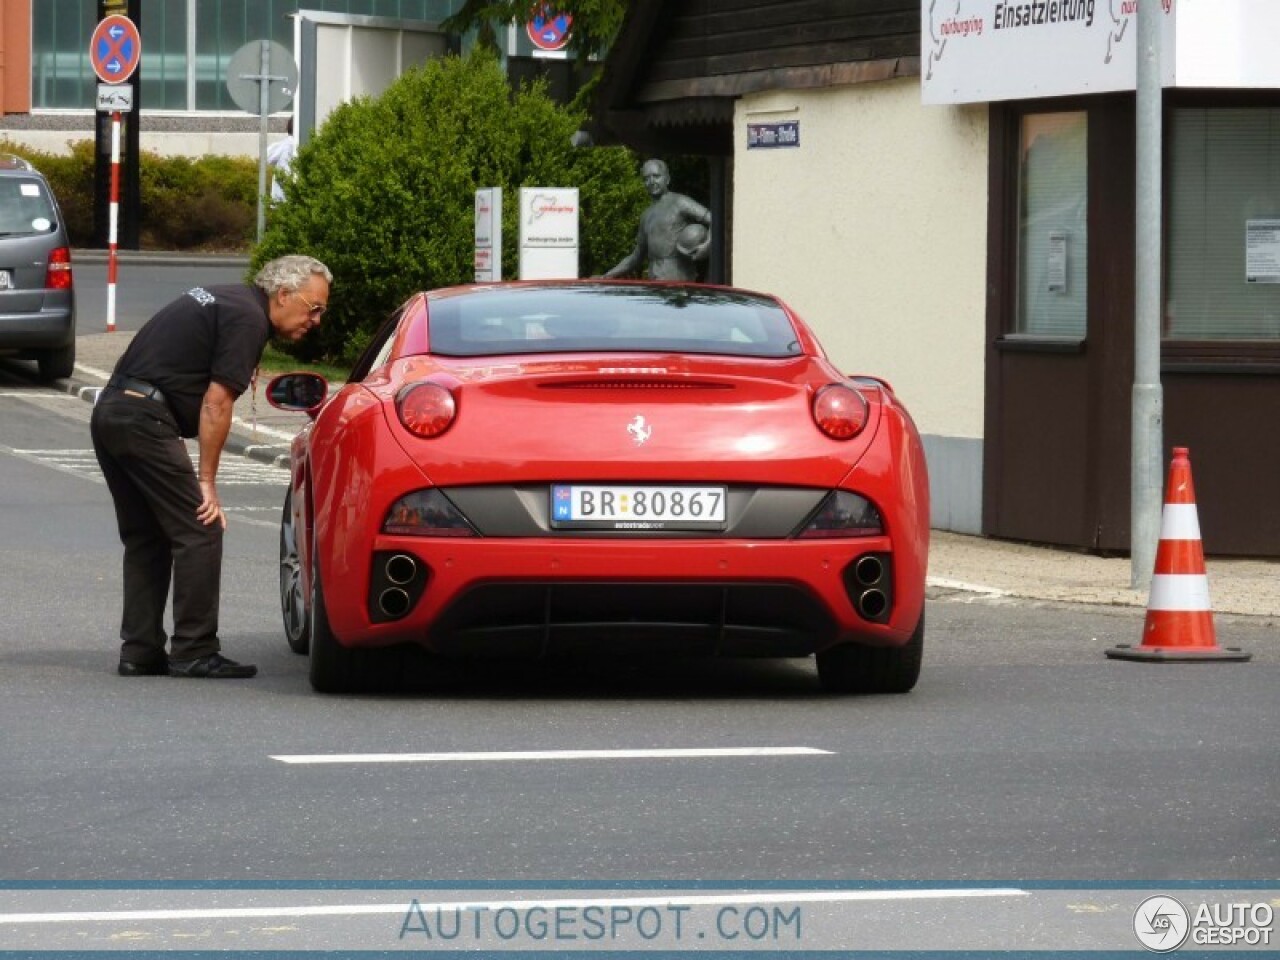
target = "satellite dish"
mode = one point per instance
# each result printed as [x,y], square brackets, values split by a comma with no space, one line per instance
[245,77]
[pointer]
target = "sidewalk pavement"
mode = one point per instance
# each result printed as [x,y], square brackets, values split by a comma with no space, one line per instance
[976,566]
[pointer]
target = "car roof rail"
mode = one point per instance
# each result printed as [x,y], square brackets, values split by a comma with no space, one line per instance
[11,161]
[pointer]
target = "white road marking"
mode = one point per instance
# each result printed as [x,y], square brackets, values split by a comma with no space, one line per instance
[38,395]
[943,583]
[661,754]
[233,513]
[365,909]
[94,371]
[232,472]
[283,435]
[77,470]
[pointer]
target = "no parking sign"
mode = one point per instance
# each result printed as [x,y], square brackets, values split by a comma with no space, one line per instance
[549,30]
[115,49]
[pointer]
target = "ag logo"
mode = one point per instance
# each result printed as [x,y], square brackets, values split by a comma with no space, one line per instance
[1161,924]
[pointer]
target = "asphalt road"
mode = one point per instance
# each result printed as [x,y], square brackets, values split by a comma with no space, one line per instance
[142,288]
[1024,756]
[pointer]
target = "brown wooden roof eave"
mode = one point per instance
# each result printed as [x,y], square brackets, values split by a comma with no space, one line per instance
[631,50]
[783,78]
[645,133]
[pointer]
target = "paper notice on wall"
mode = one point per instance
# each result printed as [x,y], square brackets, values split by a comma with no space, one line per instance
[1262,251]
[1056,273]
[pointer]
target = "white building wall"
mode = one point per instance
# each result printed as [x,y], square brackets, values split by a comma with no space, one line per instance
[874,230]
[166,143]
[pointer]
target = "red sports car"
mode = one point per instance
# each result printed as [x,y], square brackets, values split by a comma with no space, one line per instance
[531,469]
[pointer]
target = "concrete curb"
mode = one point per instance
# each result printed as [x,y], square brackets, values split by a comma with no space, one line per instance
[161,258]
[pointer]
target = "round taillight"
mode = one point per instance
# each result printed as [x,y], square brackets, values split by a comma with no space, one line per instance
[839,411]
[426,409]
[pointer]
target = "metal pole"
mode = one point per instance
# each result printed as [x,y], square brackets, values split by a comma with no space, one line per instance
[1148,394]
[264,99]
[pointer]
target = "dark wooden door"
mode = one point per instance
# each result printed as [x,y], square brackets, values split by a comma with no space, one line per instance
[1056,460]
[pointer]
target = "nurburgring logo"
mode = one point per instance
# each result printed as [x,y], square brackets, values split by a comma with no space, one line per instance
[1161,924]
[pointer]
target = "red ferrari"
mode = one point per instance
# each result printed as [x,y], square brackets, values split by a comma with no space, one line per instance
[534,469]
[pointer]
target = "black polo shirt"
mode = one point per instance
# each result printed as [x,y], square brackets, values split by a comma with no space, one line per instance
[208,334]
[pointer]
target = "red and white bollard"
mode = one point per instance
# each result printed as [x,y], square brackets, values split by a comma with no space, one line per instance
[113,220]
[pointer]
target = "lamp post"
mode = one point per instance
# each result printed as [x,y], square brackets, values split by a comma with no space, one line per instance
[1148,394]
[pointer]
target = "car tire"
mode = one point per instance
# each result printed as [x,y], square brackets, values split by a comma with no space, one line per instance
[335,668]
[57,364]
[858,668]
[293,600]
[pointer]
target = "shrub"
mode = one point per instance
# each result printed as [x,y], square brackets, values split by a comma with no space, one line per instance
[384,193]
[204,203]
[186,204]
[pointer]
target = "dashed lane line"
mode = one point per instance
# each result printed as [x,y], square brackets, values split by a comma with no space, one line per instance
[495,755]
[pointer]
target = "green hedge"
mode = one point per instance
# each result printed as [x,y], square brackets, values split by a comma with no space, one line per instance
[208,203]
[384,193]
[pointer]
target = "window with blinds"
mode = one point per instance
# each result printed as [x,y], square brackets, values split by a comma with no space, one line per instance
[1053,226]
[1222,275]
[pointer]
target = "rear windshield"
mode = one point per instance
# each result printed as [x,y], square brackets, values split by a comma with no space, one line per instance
[625,318]
[25,207]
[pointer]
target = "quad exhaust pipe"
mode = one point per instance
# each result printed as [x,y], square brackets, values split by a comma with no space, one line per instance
[398,580]
[870,585]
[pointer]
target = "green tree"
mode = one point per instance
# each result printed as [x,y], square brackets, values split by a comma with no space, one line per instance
[384,193]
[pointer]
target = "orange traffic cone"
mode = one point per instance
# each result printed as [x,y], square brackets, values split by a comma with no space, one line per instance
[1179,623]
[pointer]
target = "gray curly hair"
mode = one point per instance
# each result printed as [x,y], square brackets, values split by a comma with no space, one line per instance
[289,273]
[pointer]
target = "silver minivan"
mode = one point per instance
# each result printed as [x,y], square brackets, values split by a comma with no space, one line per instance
[37,296]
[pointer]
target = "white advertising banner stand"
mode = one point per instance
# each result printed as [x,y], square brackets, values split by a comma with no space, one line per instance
[488,255]
[548,233]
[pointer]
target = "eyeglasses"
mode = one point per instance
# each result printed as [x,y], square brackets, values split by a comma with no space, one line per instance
[313,309]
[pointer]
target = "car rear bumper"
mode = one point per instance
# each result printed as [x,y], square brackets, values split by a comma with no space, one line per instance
[49,328]
[739,598]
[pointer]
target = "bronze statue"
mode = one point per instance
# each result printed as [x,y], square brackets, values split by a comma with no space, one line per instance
[674,233]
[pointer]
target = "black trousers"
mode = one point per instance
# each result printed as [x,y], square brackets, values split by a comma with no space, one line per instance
[153,484]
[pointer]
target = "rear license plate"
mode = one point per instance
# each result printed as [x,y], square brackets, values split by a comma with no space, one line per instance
[6,280]
[627,507]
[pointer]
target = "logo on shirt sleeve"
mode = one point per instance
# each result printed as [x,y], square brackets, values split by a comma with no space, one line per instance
[202,296]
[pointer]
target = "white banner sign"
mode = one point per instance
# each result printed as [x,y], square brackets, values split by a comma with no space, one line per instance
[548,233]
[115,97]
[488,253]
[974,51]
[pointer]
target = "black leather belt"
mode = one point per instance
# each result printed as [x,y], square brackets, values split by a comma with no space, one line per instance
[140,387]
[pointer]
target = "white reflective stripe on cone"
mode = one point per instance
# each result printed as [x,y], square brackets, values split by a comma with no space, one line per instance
[1179,522]
[1179,591]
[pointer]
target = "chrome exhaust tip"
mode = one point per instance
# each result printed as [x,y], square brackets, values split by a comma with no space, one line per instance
[872,604]
[400,569]
[393,602]
[868,570]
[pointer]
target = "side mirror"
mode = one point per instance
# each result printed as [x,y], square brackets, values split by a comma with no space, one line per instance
[302,392]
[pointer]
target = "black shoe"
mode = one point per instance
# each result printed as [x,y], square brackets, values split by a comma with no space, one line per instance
[213,667]
[157,668]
